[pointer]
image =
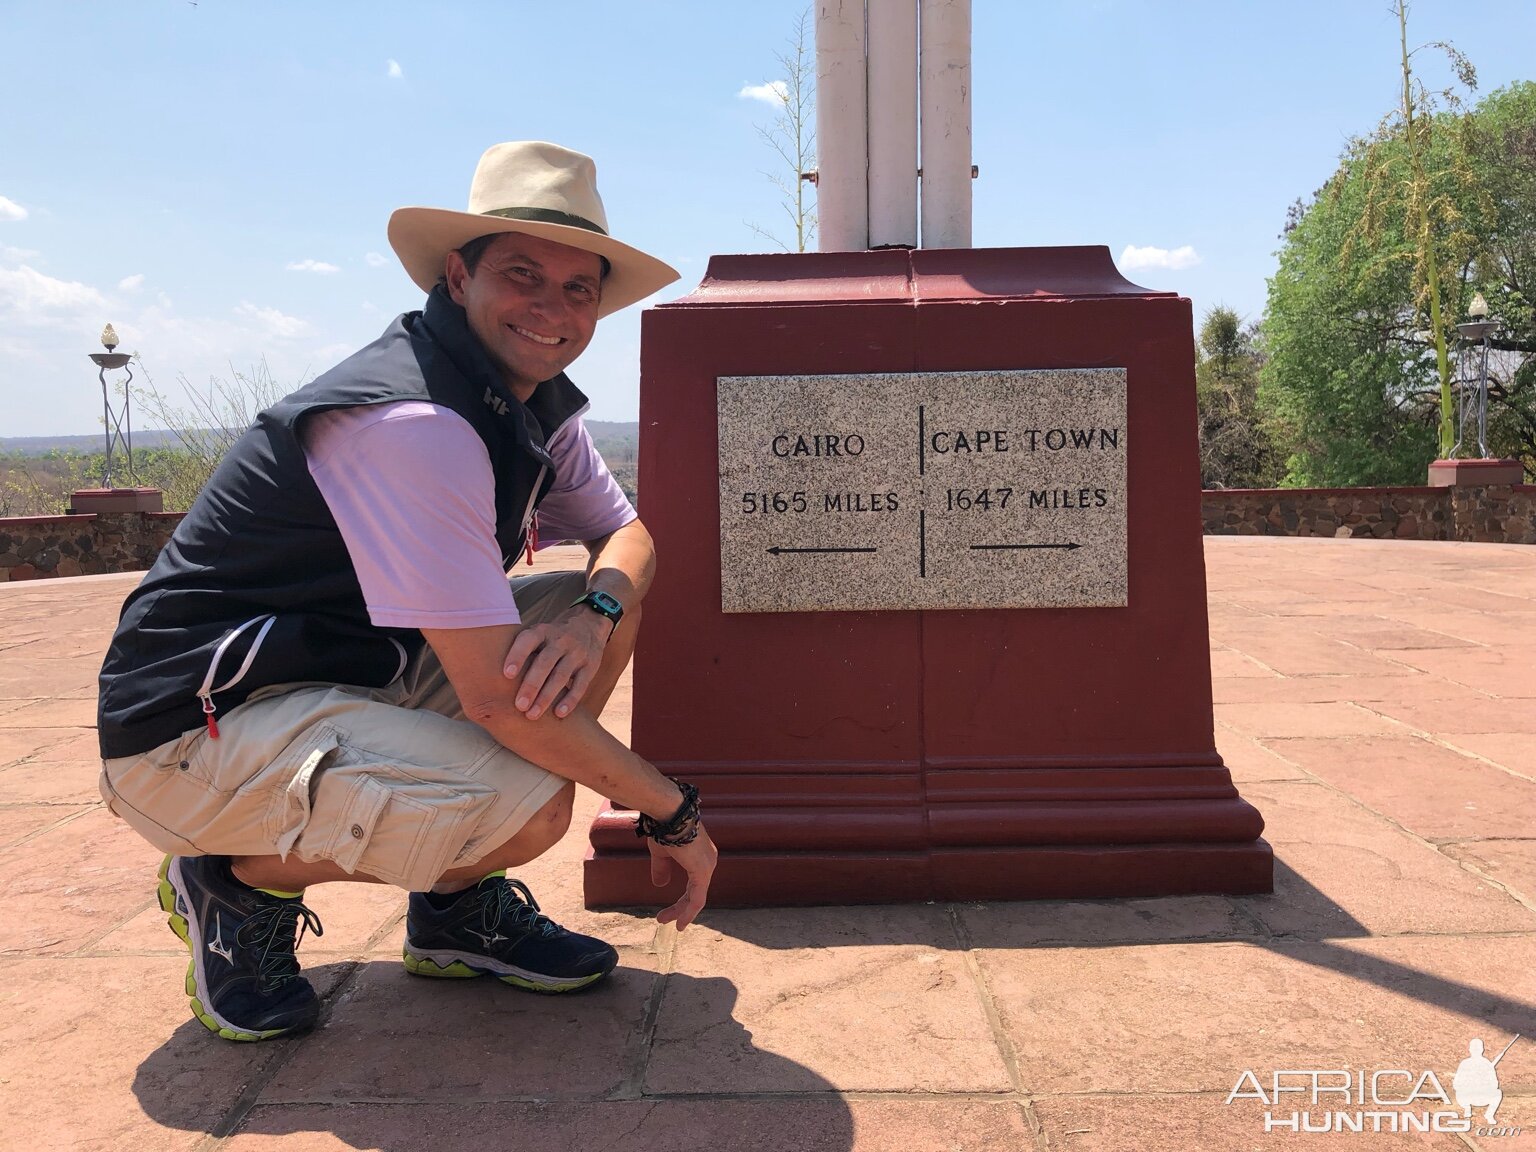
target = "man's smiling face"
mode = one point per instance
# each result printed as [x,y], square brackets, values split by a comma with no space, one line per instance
[531,303]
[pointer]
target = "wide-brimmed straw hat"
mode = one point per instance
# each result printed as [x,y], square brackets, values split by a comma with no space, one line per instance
[539,189]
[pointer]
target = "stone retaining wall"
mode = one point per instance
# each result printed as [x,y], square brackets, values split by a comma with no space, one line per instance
[36,547]
[1504,514]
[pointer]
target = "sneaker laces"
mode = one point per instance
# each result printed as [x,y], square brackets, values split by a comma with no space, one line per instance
[272,928]
[510,899]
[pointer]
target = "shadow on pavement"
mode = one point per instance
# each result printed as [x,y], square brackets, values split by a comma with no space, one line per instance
[1315,926]
[477,1064]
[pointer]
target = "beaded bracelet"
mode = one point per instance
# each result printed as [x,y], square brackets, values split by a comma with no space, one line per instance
[681,829]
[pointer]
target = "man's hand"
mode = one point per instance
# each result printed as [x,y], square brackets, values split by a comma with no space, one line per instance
[554,663]
[697,861]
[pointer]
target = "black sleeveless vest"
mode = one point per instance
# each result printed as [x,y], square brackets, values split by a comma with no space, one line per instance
[256,586]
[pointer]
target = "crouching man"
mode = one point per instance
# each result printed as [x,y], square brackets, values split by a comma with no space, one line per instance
[327,675]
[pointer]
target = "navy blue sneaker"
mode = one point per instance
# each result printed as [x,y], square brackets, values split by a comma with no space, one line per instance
[244,978]
[496,929]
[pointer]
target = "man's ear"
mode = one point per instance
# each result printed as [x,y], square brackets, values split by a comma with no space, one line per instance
[455,274]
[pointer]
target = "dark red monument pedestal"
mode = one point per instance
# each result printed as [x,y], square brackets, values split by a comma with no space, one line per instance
[911,756]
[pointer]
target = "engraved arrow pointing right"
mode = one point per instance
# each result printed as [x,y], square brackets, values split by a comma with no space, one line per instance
[1072,547]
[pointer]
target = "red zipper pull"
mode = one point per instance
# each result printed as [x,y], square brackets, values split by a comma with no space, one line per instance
[533,537]
[213,725]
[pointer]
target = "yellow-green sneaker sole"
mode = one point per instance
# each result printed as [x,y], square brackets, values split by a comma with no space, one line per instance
[178,922]
[458,970]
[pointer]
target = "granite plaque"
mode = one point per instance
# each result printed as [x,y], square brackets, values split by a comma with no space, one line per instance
[925,490]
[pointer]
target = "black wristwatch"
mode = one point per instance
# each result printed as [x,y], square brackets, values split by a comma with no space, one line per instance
[604,605]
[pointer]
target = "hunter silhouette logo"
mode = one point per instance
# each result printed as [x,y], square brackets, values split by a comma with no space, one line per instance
[1383,1100]
[1476,1082]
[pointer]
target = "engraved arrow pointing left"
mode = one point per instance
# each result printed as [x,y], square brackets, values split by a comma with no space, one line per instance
[777,551]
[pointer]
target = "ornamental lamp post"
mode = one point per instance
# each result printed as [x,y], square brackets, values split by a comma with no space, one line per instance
[117,422]
[1482,470]
[1476,331]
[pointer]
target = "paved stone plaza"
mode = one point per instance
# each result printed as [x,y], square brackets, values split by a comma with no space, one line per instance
[1376,700]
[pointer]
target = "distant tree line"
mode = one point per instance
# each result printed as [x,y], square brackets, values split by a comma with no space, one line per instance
[40,484]
[197,432]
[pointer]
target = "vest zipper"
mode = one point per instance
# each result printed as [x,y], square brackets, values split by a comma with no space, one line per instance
[205,693]
[531,517]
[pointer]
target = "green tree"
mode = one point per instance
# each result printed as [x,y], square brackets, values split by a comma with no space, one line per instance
[1417,182]
[1353,383]
[42,485]
[1503,146]
[1235,446]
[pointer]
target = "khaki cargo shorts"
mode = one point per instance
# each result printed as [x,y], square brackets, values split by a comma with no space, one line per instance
[392,782]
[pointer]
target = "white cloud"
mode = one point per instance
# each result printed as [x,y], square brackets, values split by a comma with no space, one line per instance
[131,283]
[10,210]
[374,260]
[28,295]
[18,255]
[271,322]
[313,266]
[48,323]
[395,72]
[328,355]
[1134,258]
[775,92]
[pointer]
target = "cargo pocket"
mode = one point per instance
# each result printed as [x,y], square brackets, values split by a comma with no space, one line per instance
[390,823]
[354,828]
[289,811]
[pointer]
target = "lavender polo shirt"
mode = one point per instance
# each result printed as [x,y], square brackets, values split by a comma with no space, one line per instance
[411,488]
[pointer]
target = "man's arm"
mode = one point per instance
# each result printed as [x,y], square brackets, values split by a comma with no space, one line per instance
[623,563]
[554,663]
[575,746]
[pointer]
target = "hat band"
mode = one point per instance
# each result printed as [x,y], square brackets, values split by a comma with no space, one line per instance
[547,216]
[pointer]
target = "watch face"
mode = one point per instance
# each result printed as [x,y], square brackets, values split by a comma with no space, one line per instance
[606,603]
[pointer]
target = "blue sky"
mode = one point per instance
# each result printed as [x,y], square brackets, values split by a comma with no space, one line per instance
[214,178]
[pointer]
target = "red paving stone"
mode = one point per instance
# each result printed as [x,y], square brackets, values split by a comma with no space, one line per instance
[469,1039]
[1510,862]
[21,821]
[1452,718]
[1430,790]
[55,712]
[26,744]
[1514,751]
[1341,870]
[1336,718]
[801,1124]
[1375,704]
[1161,919]
[101,1053]
[1349,1003]
[1407,689]
[769,1004]
[1247,759]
